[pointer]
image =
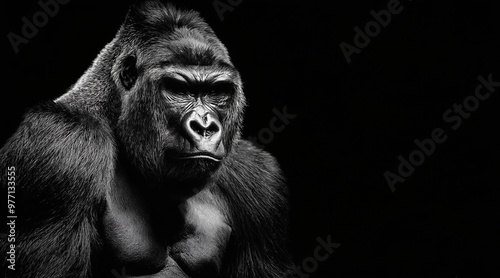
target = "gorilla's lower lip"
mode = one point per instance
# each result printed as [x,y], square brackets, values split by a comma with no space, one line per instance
[202,155]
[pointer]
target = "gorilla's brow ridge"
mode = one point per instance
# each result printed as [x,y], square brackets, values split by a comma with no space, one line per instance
[205,74]
[218,67]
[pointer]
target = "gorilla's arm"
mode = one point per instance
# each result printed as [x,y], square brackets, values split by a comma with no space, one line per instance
[256,194]
[63,163]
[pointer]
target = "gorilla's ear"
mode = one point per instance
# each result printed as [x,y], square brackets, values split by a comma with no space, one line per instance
[128,74]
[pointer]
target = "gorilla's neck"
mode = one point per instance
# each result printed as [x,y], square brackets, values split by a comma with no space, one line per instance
[95,92]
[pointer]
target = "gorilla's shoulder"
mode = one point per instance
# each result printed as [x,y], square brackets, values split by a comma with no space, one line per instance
[55,144]
[53,124]
[251,181]
[245,153]
[52,113]
[252,166]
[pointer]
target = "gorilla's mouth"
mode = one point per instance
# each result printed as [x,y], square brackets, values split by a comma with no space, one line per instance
[198,155]
[190,168]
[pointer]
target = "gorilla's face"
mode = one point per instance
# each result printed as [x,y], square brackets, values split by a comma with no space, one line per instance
[181,110]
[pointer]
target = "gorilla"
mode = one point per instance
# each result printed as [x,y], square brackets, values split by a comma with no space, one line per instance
[139,168]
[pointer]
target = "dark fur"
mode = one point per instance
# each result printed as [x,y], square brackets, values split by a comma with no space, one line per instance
[66,152]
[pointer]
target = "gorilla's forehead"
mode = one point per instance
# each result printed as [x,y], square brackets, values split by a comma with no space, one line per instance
[190,51]
[165,33]
[185,49]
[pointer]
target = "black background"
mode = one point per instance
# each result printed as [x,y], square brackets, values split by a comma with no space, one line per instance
[353,120]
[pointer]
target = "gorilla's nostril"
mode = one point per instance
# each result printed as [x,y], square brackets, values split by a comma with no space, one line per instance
[212,128]
[196,127]
[199,129]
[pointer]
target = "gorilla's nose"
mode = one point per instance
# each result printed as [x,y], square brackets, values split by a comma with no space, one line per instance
[203,130]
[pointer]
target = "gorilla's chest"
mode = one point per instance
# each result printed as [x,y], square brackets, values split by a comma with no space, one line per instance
[142,242]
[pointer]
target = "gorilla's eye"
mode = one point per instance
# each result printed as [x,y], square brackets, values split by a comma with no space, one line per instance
[175,86]
[224,88]
[220,100]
